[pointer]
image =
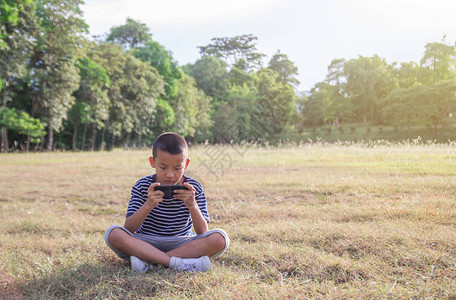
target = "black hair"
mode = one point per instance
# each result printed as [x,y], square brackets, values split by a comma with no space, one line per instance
[170,142]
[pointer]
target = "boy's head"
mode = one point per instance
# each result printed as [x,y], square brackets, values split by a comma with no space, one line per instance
[169,158]
[170,142]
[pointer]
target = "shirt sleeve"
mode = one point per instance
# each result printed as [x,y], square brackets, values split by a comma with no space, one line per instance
[200,198]
[138,196]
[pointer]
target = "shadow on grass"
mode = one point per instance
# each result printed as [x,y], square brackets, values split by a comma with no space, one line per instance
[97,281]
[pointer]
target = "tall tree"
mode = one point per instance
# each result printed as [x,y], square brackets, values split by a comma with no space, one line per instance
[440,58]
[162,60]
[210,76]
[239,51]
[284,67]
[130,35]
[55,74]
[135,86]
[233,118]
[93,91]
[17,26]
[367,82]
[192,109]
[276,106]
[409,74]
[10,16]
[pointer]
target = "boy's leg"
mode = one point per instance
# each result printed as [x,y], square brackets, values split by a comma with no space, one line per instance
[211,243]
[125,245]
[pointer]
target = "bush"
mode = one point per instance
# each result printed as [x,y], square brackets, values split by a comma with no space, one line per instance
[353,129]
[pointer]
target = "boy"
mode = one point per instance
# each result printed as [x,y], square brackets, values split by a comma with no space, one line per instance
[158,230]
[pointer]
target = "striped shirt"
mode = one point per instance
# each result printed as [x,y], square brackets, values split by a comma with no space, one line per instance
[170,217]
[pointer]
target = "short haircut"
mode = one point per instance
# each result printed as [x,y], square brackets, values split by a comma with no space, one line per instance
[170,142]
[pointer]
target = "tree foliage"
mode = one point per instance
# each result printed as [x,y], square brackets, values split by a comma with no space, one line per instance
[285,68]
[22,123]
[125,90]
[130,35]
[440,59]
[238,51]
[162,60]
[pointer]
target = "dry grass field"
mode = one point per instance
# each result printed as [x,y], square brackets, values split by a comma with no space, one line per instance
[366,221]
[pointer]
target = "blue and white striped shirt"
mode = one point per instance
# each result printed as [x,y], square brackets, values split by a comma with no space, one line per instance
[171,217]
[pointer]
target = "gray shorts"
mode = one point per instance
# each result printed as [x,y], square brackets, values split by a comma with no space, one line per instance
[166,243]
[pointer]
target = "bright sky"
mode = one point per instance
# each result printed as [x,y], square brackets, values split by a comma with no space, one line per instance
[310,32]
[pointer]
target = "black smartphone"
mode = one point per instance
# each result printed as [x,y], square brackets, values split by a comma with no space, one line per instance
[168,190]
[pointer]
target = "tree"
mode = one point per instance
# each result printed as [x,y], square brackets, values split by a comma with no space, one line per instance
[310,108]
[426,104]
[284,68]
[440,58]
[210,75]
[191,108]
[162,60]
[10,16]
[336,75]
[93,92]
[17,25]
[130,35]
[276,105]
[134,88]
[22,123]
[233,118]
[239,51]
[409,74]
[366,82]
[55,74]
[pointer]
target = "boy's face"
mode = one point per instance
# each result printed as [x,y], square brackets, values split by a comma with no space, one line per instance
[169,167]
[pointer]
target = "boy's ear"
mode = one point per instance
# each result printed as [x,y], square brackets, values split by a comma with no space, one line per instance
[152,162]
[186,163]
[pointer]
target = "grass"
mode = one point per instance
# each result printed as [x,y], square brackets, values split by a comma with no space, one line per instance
[343,220]
[359,132]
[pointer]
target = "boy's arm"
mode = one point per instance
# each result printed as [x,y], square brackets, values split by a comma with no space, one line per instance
[188,196]
[199,222]
[133,222]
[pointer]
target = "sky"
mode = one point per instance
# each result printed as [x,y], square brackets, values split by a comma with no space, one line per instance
[311,32]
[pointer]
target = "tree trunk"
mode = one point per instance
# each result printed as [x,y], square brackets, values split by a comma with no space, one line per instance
[94,136]
[84,137]
[103,137]
[32,114]
[127,143]
[27,144]
[138,140]
[113,141]
[5,142]
[75,135]
[50,141]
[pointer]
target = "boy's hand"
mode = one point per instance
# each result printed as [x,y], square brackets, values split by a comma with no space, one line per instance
[188,196]
[153,197]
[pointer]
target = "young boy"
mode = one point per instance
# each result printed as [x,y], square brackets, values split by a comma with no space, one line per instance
[158,230]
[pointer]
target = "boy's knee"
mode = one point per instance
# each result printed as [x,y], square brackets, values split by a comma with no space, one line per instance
[115,236]
[218,241]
